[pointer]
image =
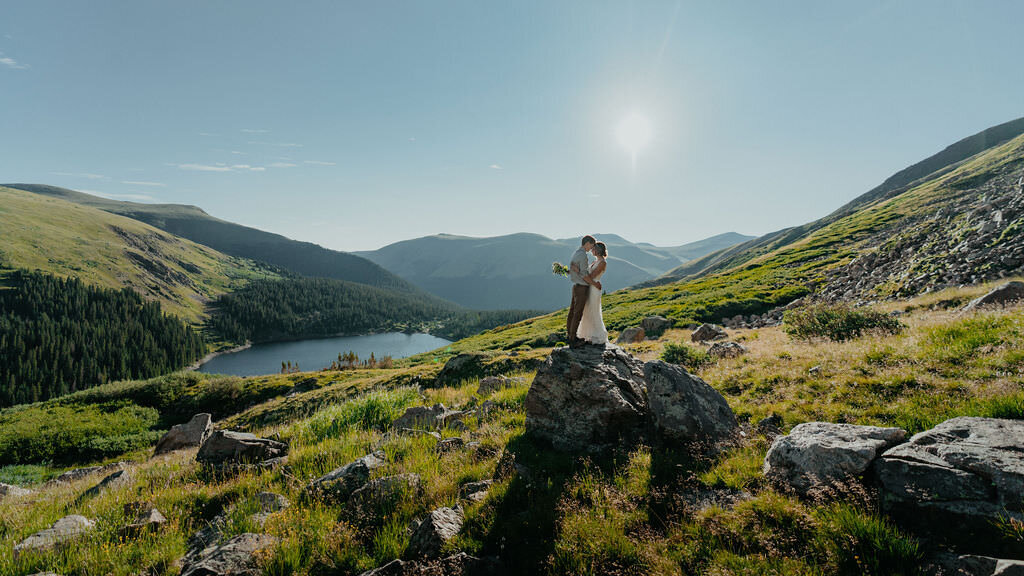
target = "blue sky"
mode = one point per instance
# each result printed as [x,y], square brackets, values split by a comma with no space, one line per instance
[357,124]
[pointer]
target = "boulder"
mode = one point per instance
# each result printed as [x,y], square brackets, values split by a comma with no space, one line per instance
[381,495]
[587,399]
[491,384]
[438,527]
[951,564]
[236,557]
[708,332]
[338,484]
[449,445]
[229,447]
[192,433]
[79,473]
[654,326]
[818,455]
[964,472]
[727,350]
[475,491]
[119,478]
[148,518]
[62,531]
[1000,296]
[686,409]
[10,490]
[462,367]
[631,335]
[436,416]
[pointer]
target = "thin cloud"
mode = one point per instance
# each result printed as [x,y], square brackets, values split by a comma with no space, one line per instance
[220,167]
[319,163]
[208,134]
[282,165]
[254,131]
[496,167]
[412,139]
[143,183]
[12,63]
[280,144]
[86,175]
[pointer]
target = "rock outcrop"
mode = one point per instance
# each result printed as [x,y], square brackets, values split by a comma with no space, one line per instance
[338,484]
[236,557]
[708,332]
[438,527]
[79,473]
[631,335]
[117,479]
[430,417]
[818,455]
[587,399]
[1002,295]
[193,433]
[965,472]
[655,326]
[62,531]
[686,409]
[147,518]
[727,350]
[10,490]
[462,367]
[229,447]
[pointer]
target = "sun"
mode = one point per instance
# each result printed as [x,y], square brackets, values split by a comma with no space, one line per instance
[634,133]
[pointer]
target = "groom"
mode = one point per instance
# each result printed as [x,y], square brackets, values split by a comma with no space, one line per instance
[581,283]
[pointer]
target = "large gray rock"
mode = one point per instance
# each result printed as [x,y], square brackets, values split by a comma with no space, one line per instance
[436,416]
[192,433]
[631,335]
[229,447]
[63,530]
[338,484]
[727,350]
[438,527]
[10,490]
[115,480]
[491,384]
[707,332]
[964,472]
[147,518]
[79,473]
[686,409]
[462,367]
[655,326]
[819,455]
[587,399]
[999,296]
[236,557]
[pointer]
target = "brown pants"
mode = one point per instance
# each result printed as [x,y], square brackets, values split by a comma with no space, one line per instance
[579,301]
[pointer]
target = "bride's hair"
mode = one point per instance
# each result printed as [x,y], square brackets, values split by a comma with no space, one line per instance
[602,249]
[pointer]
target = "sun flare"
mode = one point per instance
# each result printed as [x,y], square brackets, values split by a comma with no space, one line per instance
[634,132]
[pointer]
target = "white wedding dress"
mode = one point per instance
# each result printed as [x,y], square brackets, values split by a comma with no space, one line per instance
[592,325]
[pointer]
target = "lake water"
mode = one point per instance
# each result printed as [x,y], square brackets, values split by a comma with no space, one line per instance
[319,353]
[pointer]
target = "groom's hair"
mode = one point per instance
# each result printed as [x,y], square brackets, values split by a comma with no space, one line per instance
[588,239]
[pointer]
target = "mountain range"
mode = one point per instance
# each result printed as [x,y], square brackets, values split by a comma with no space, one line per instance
[514,271]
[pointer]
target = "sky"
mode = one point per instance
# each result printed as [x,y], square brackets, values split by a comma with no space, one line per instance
[359,124]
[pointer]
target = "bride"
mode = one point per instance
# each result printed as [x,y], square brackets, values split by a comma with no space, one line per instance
[592,325]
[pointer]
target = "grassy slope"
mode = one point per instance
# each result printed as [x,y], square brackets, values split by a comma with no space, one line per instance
[66,239]
[622,514]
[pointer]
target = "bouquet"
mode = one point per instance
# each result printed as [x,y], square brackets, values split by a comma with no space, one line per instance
[559,269]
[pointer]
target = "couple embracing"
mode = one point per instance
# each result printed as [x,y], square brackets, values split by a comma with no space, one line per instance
[586,323]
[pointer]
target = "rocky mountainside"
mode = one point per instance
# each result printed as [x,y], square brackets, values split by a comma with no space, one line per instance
[514,271]
[191,222]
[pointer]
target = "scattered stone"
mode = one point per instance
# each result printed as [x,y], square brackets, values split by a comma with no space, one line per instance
[229,447]
[449,445]
[119,478]
[430,417]
[491,384]
[654,326]
[10,490]
[338,484]
[964,473]
[79,473]
[475,491]
[686,409]
[727,350]
[631,335]
[708,332]
[506,466]
[821,454]
[236,557]
[440,526]
[462,367]
[62,531]
[770,426]
[487,408]
[952,564]
[147,519]
[587,399]
[815,370]
[192,433]
[1000,296]
[383,494]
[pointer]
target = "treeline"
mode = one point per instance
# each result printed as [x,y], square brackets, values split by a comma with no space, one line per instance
[59,335]
[267,310]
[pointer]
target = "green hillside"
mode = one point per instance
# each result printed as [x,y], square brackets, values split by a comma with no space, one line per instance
[303,258]
[65,239]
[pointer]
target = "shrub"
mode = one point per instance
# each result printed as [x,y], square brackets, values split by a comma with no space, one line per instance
[837,322]
[686,356]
